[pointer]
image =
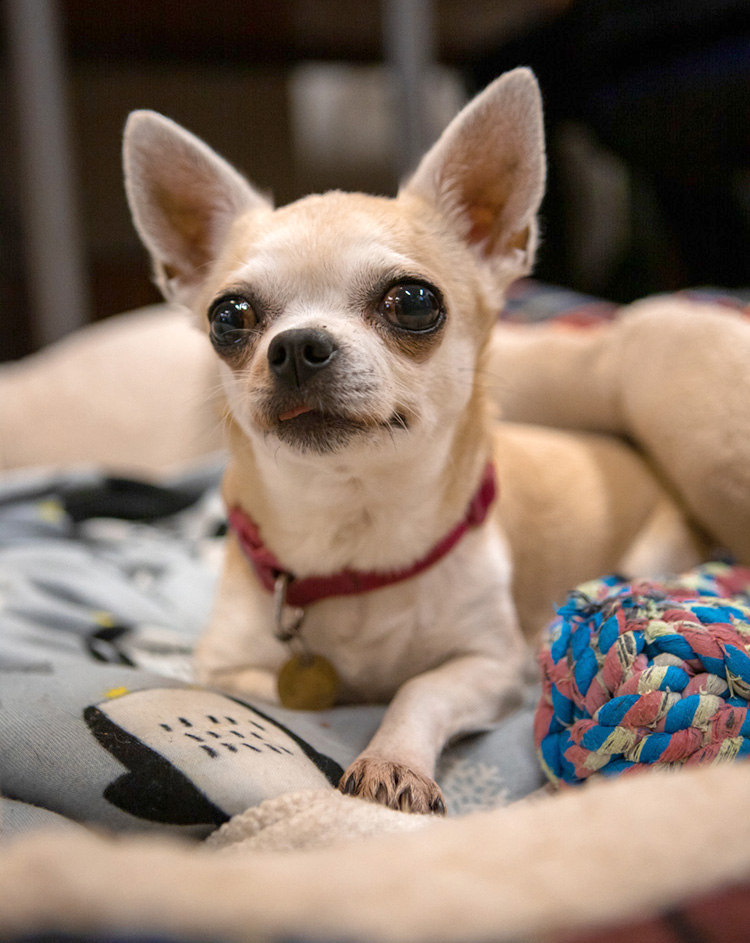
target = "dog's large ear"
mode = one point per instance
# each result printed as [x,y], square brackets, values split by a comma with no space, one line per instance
[487,171]
[183,198]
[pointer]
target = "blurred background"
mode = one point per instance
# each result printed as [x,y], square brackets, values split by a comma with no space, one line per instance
[647,111]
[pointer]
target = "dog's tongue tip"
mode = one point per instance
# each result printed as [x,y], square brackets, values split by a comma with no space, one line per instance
[293,413]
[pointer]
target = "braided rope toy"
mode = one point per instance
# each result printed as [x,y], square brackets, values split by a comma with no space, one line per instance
[646,674]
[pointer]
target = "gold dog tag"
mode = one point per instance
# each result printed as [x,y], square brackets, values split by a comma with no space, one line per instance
[307,683]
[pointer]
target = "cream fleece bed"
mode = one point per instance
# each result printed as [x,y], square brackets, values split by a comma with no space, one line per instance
[647,857]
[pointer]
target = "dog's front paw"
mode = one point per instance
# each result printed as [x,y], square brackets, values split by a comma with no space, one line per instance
[392,785]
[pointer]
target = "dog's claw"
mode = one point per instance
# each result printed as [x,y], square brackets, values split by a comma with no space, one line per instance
[405,800]
[438,806]
[348,786]
[393,785]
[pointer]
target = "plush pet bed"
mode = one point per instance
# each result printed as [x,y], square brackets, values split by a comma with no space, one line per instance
[104,585]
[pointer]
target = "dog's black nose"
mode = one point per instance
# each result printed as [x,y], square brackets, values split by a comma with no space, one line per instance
[297,355]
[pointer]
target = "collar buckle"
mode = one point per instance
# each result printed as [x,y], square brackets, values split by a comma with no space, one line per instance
[287,619]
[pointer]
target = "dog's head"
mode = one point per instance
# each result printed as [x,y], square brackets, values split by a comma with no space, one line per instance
[346,321]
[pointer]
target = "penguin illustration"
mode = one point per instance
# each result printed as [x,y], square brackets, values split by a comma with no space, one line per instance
[197,757]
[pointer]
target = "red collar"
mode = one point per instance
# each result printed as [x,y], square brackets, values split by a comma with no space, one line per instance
[302,592]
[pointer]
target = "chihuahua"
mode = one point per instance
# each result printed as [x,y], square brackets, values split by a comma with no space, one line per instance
[387,530]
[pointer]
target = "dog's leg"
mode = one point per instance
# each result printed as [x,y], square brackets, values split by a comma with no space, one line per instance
[670,374]
[684,385]
[241,622]
[554,376]
[464,694]
[666,544]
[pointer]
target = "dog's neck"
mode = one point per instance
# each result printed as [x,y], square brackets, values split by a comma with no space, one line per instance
[364,511]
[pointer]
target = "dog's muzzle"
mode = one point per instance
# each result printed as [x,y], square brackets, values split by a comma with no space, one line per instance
[309,406]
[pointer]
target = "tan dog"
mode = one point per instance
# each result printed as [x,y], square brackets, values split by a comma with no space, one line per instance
[353,337]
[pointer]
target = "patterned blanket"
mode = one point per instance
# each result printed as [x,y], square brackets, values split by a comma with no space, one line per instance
[105,585]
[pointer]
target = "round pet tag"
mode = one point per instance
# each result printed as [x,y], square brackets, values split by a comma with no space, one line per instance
[307,683]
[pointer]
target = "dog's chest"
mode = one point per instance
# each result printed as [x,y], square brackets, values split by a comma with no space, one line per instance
[376,641]
[380,639]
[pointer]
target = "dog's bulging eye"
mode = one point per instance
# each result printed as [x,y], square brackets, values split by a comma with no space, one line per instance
[412,306]
[230,318]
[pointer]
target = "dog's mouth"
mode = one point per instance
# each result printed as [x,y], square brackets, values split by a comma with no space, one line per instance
[295,411]
[309,428]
